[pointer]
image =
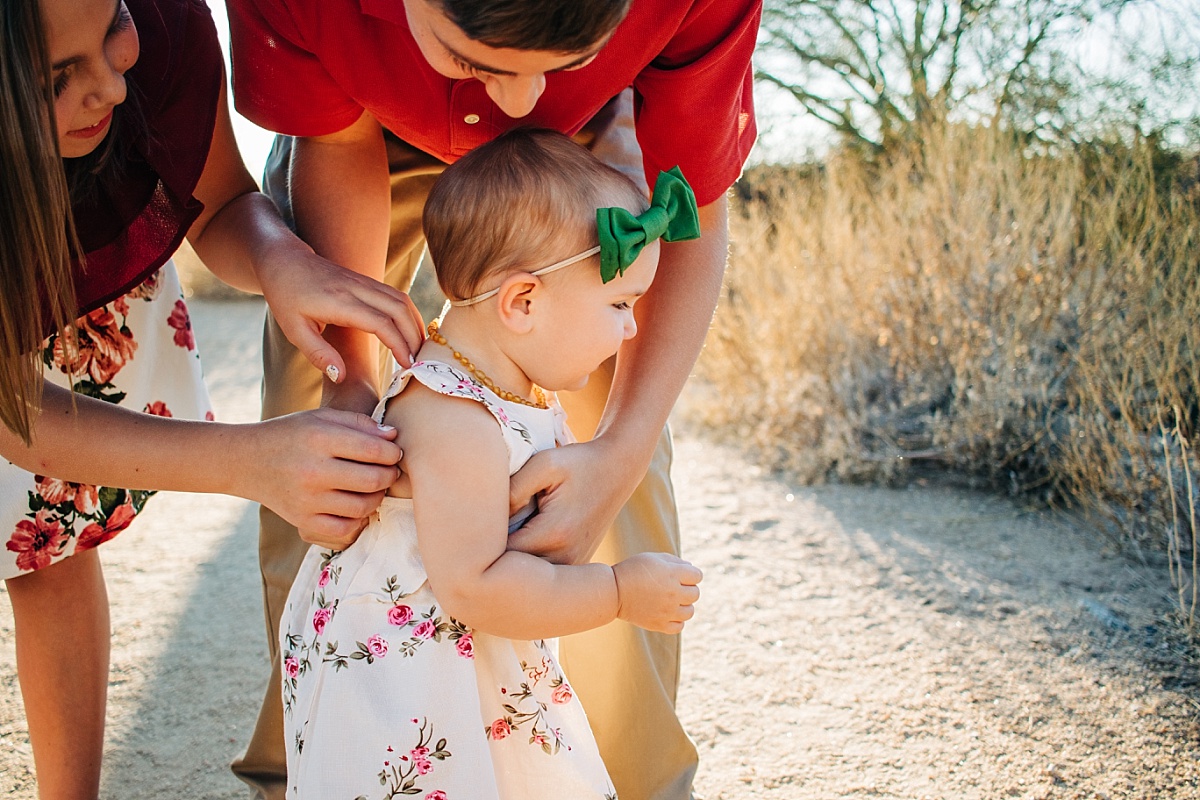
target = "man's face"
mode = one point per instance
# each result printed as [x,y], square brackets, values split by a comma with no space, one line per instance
[514,79]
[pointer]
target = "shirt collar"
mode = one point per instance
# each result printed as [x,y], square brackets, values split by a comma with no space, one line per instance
[390,10]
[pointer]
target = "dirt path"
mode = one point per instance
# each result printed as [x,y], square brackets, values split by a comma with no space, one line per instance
[852,642]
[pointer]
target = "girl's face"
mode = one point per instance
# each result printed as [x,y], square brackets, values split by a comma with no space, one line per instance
[92,45]
[587,320]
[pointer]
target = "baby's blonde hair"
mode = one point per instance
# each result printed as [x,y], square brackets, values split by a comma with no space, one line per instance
[521,201]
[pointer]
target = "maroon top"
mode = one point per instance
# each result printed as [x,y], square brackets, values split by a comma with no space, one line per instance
[310,67]
[133,224]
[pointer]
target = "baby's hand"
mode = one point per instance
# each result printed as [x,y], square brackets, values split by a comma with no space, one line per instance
[656,591]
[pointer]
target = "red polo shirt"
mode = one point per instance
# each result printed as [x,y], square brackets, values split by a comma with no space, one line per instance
[310,67]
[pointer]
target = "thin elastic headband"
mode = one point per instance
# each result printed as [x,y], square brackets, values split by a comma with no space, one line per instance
[557,265]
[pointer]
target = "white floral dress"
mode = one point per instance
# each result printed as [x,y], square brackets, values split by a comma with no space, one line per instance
[386,696]
[137,351]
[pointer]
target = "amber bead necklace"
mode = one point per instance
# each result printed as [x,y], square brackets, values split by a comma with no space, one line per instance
[479,375]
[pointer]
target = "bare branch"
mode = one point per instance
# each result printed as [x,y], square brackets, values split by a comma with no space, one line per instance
[898,31]
[1031,46]
[892,65]
[823,108]
[838,22]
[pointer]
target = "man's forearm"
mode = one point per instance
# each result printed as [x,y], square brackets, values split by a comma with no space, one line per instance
[583,487]
[674,318]
[340,199]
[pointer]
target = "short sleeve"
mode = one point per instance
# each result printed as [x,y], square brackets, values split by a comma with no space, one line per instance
[278,83]
[521,440]
[186,94]
[694,103]
[137,215]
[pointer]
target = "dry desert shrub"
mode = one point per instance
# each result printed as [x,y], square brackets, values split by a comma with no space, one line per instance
[1124,446]
[1028,320]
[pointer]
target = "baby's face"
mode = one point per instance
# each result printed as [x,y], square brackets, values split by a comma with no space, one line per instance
[583,321]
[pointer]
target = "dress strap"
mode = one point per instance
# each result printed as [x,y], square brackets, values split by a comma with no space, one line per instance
[453,382]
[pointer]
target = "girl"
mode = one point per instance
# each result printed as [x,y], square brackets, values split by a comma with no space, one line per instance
[412,660]
[115,144]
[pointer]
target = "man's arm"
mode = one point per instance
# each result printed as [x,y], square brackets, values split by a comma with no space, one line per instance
[242,239]
[676,314]
[340,200]
[585,485]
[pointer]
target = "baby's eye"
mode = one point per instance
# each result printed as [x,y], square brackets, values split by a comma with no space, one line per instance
[622,306]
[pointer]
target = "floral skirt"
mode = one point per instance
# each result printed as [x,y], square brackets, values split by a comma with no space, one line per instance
[386,696]
[139,352]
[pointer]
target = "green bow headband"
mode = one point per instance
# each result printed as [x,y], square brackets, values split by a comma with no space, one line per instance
[672,216]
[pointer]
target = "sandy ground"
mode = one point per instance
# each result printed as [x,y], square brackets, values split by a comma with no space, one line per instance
[852,642]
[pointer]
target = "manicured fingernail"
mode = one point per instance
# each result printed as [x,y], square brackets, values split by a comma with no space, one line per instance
[412,359]
[333,373]
[383,426]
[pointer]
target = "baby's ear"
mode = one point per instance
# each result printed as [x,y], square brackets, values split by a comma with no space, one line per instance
[518,293]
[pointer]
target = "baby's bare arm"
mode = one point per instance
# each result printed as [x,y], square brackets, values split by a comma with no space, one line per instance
[457,465]
[456,469]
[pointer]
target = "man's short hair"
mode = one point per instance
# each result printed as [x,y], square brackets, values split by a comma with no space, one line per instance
[553,26]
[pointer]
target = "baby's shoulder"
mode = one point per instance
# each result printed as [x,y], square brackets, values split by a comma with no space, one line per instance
[447,437]
[427,401]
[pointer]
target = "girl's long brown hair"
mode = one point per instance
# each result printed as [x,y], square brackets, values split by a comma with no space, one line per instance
[37,234]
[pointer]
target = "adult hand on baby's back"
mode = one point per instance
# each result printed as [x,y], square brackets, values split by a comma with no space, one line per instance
[324,471]
[310,293]
[580,488]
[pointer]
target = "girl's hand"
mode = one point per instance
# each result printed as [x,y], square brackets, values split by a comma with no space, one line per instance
[324,471]
[306,293]
[656,591]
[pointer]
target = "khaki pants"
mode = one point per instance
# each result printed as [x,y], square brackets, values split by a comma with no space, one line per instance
[625,677]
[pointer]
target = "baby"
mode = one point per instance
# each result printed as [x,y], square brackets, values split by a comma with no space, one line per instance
[416,661]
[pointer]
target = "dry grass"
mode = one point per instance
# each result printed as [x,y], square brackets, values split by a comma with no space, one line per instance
[1030,321]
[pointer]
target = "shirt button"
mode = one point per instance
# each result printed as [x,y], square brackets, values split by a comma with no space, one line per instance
[471,119]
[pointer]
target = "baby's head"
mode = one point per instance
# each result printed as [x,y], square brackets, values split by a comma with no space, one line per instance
[520,202]
[500,216]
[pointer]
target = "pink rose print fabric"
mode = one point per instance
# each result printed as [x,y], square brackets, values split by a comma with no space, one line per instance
[387,696]
[182,323]
[158,408]
[39,541]
[127,353]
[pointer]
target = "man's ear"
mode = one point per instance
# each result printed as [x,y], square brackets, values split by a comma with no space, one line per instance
[518,293]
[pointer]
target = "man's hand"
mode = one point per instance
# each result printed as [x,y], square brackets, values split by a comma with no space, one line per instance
[580,489]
